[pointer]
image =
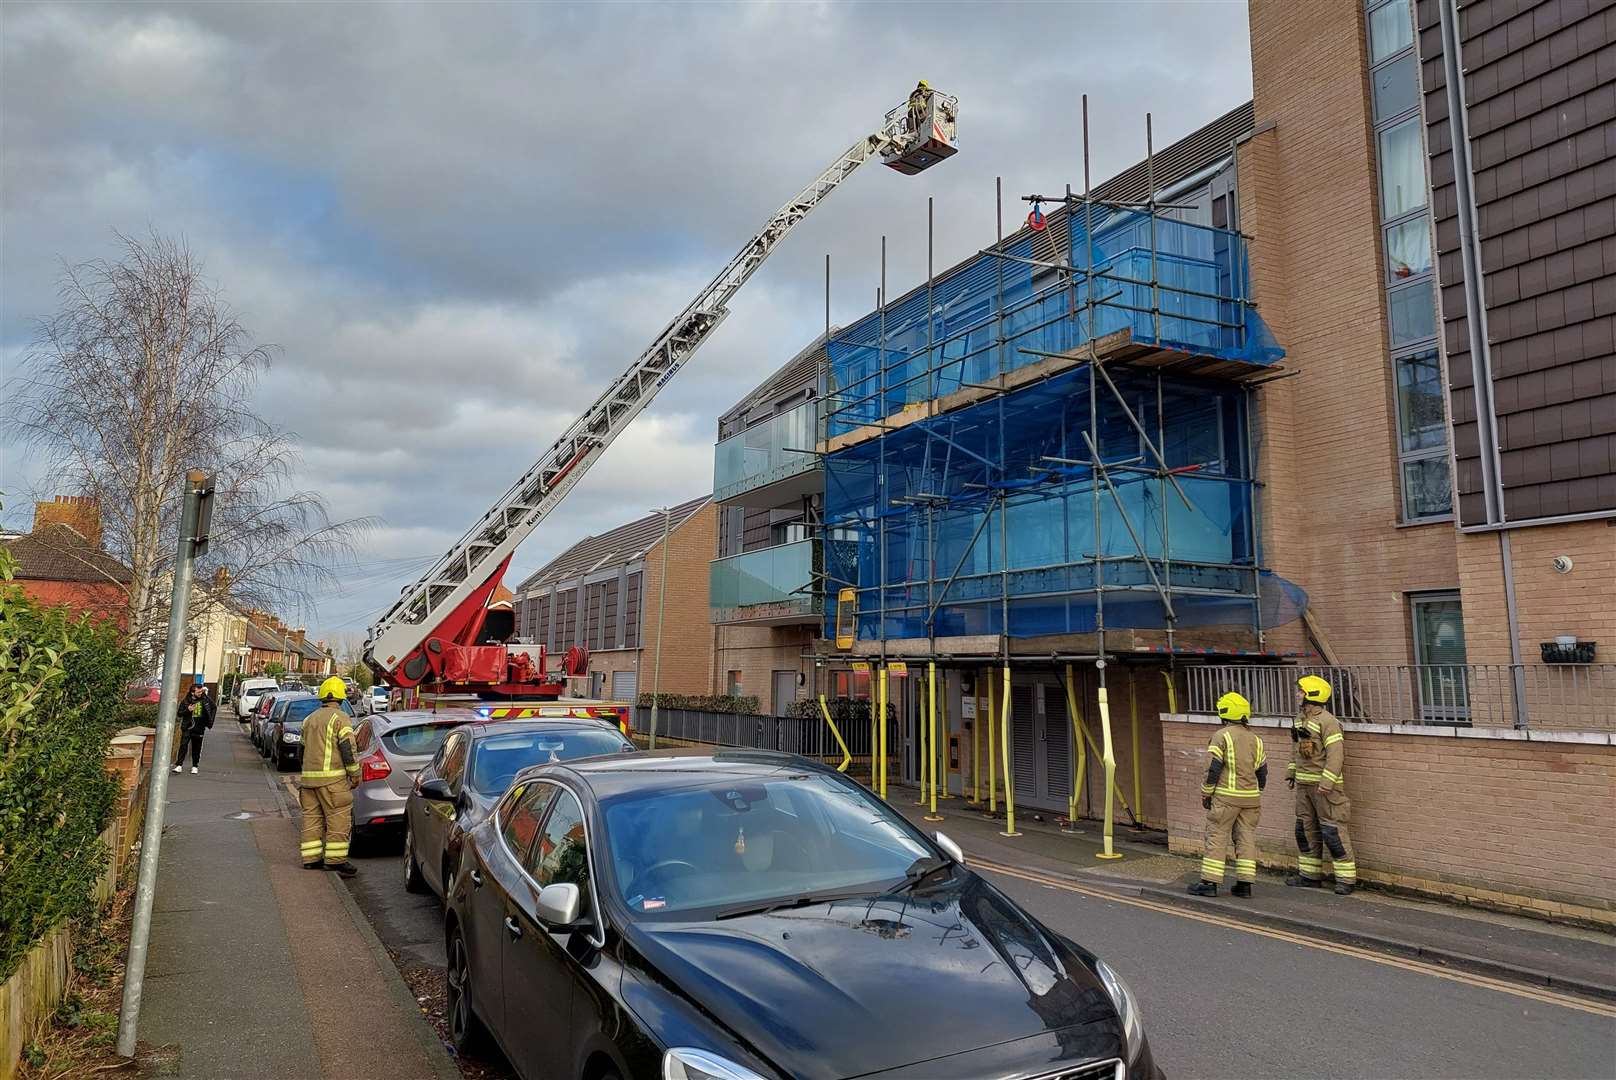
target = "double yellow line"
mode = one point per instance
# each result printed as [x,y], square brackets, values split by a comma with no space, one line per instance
[1420,967]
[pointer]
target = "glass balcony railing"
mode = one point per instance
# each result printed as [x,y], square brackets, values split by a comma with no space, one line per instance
[772,585]
[765,454]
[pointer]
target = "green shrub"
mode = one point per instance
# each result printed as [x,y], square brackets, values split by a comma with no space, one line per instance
[714,703]
[62,683]
[841,710]
[136,714]
[227,686]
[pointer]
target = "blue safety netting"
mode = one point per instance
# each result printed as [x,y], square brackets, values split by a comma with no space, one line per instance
[988,513]
[928,345]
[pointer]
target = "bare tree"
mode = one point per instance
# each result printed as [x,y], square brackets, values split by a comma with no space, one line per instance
[143,373]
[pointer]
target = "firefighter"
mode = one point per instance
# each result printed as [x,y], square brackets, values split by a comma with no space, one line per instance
[917,104]
[1236,773]
[330,773]
[1322,807]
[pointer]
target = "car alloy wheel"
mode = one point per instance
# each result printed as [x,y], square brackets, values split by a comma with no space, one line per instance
[413,881]
[465,1030]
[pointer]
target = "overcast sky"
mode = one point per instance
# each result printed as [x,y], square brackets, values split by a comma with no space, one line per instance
[457,222]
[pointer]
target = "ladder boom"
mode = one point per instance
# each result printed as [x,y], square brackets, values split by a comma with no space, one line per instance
[479,554]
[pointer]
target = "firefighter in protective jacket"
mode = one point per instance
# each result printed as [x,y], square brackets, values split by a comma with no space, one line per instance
[330,773]
[1322,807]
[1236,773]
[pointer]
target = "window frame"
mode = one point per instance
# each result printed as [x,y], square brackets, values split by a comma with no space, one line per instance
[1447,712]
[597,913]
[1399,352]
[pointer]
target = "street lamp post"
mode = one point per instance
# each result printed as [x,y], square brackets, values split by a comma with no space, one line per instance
[662,607]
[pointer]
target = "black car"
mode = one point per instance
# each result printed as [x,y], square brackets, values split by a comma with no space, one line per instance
[469,773]
[746,915]
[283,731]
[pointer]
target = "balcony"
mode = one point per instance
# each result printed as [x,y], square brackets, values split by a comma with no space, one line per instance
[769,587]
[764,466]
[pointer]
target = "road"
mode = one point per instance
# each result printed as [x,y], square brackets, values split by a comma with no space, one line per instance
[1224,1000]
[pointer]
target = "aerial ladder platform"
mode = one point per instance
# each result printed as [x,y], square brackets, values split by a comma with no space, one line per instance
[444,632]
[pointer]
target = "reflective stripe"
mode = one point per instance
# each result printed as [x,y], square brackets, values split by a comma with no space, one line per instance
[322,774]
[1334,778]
[1216,751]
[1262,755]
[1307,777]
[1331,740]
[1211,871]
[311,846]
[1207,789]
[1229,782]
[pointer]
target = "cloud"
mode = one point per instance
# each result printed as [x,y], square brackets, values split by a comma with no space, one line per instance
[459,223]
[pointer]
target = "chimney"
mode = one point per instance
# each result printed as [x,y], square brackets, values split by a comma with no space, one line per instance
[298,635]
[80,513]
[221,581]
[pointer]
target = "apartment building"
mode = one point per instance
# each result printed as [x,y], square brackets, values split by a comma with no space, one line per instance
[608,594]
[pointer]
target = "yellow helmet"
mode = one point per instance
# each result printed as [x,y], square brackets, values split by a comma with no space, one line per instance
[1314,688]
[924,85]
[333,688]
[1234,708]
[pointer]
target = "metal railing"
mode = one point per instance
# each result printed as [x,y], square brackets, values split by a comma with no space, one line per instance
[807,736]
[1549,697]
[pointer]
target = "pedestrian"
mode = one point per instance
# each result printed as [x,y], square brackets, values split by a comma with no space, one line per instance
[330,773]
[1322,807]
[1236,773]
[918,99]
[195,715]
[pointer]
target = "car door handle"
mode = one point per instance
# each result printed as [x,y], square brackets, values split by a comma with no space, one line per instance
[511,928]
[477,880]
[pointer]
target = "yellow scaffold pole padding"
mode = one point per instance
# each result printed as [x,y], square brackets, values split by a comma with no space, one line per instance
[881,727]
[847,755]
[1009,780]
[931,723]
[1172,692]
[1110,761]
[1133,728]
[920,759]
[941,752]
[993,745]
[1079,733]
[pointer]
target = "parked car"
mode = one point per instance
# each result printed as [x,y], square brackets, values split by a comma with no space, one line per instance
[260,718]
[283,732]
[248,693]
[147,693]
[469,773]
[753,916]
[392,749]
[380,699]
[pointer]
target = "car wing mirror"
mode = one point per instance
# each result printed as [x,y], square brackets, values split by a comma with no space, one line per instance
[557,906]
[436,789]
[951,849]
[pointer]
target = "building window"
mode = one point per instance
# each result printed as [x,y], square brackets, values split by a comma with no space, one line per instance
[1439,650]
[1422,433]
[732,683]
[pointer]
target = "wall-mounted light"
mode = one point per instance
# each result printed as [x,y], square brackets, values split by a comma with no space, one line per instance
[1562,564]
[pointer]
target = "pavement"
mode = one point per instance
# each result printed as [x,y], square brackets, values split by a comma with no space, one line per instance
[1568,959]
[258,968]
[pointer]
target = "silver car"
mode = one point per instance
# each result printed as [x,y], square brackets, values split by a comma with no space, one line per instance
[393,747]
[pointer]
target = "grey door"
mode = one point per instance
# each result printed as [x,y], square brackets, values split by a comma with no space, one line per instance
[625,686]
[785,691]
[1040,745]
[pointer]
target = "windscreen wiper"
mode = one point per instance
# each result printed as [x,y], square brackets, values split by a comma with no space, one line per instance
[785,903]
[919,872]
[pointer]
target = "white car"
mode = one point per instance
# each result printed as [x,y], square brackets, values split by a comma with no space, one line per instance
[250,691]
[380,699]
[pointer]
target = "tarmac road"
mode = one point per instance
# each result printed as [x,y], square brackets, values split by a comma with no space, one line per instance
[1231,1001]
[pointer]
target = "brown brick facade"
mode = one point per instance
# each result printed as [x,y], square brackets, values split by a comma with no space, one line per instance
[1326,448]
[757,652]
[687,651]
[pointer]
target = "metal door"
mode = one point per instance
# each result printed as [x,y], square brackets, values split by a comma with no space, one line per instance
[785,691]
[625,686]
[1041,747]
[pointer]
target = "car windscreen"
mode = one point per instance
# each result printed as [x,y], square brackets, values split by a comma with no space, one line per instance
[500,757]
[735,842]
[259,686]
[301,710]
[417,740]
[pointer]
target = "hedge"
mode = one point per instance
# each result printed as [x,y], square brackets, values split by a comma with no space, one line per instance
[842,710]
[62,681]
[715,703]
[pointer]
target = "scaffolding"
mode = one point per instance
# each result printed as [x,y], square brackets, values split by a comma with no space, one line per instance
[1053,438]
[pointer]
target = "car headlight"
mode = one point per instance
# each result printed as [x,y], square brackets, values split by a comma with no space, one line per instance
[1133,1033]
[291,736]
[685,1063]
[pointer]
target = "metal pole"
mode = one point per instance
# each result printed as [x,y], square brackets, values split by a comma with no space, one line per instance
[882,729]
[993,748]
[931,723]
[662,606]
[1009,780]
[157,795]
[1109,758]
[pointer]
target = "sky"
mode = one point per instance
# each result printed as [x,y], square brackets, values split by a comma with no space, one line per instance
[457,223]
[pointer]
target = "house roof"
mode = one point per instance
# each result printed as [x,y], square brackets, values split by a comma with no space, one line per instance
[801,370]
[621,545]
[61,553]
[267,640]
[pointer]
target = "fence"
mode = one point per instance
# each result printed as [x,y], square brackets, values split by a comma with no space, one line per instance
[807,736]
[1546,697]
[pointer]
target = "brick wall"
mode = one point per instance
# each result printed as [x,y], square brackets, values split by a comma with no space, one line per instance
[757,652]
[99,600]
[687,654]
[1327,455]
[1503,822]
